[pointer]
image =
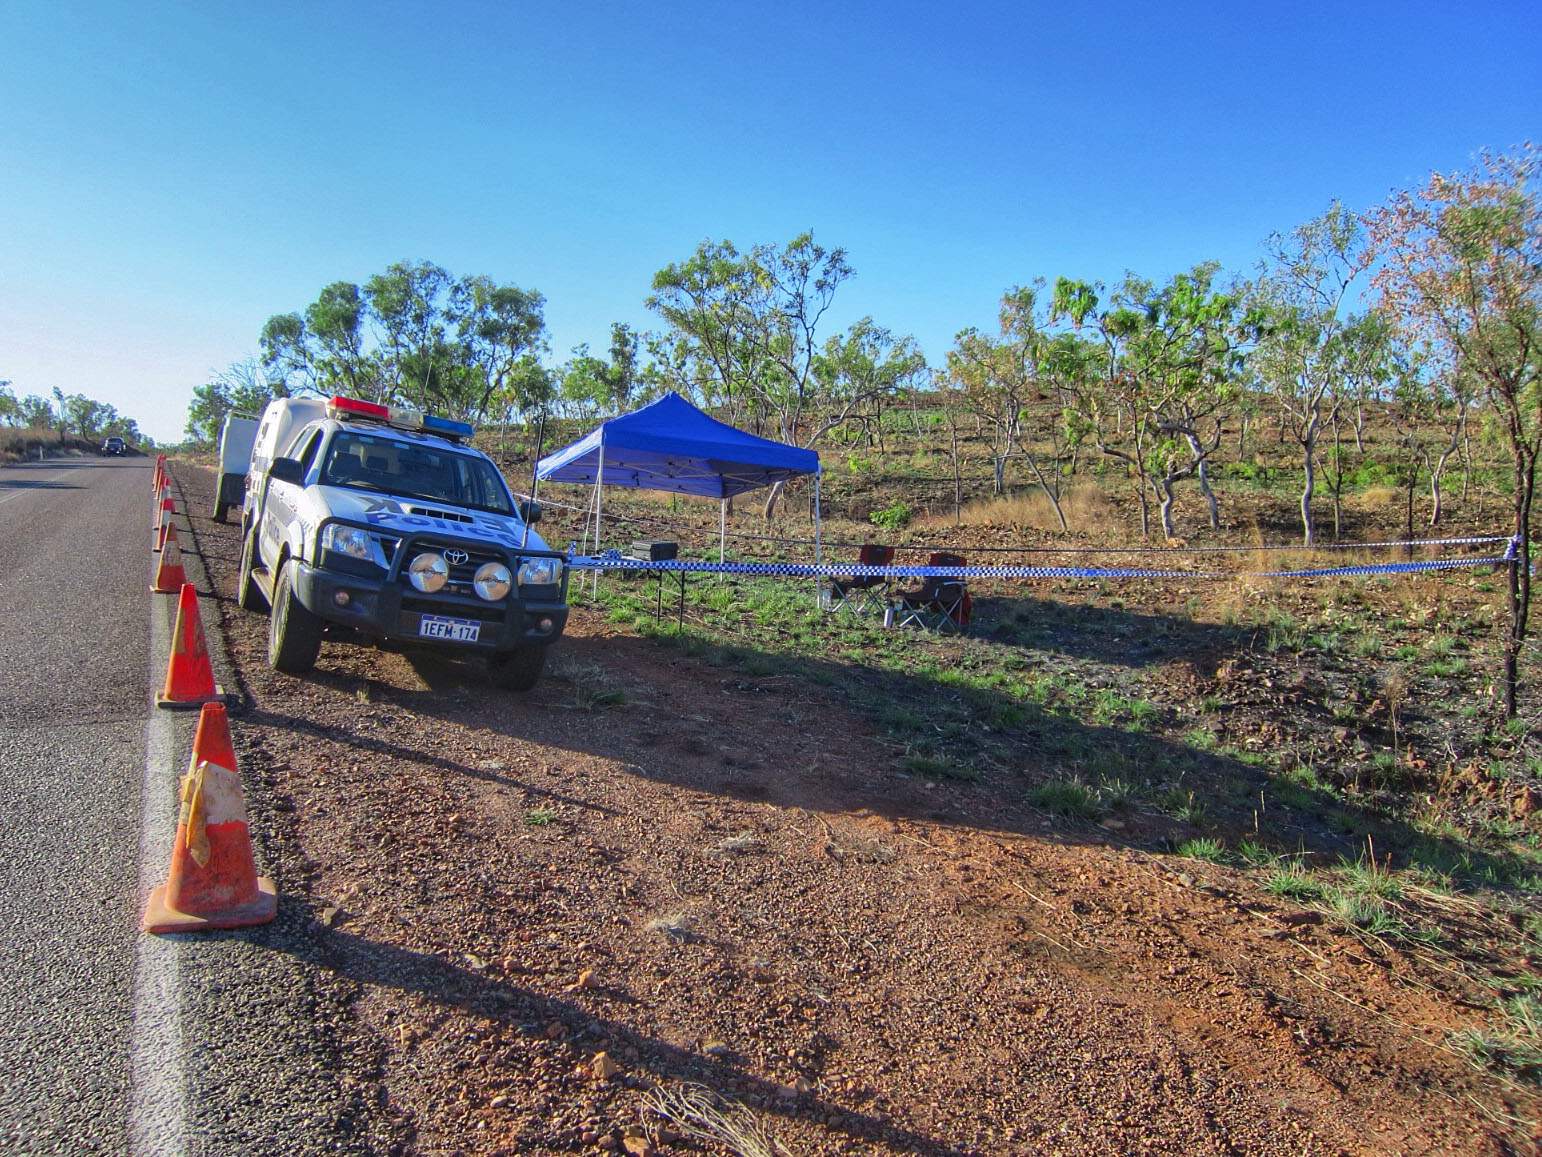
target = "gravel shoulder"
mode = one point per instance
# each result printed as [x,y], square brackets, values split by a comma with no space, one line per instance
[719,878]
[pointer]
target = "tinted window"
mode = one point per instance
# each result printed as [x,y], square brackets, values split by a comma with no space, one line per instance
[365,462]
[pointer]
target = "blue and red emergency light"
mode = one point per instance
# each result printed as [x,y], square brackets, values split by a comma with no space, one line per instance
[341,407]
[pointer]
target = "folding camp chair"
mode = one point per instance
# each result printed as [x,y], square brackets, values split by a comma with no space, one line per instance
[939,604]
[861,594]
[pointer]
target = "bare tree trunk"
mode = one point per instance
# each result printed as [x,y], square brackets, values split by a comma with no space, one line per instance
[999,466]
[1165,491]
[1525,466]
[958,475]
[1051,494]
[772,498]
[1439,467]
[1337,485]
[1308,480]
[1202,471]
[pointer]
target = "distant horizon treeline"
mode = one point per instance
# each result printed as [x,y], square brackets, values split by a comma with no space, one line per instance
[63,413]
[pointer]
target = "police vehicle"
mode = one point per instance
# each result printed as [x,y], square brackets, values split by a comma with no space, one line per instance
[385,520]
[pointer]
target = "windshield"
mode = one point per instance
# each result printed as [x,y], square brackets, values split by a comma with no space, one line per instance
[410,470]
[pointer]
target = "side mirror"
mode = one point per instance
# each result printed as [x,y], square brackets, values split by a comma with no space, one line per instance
[287,470]
[529,511]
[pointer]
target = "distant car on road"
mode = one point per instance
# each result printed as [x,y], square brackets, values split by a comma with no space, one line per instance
[114,447]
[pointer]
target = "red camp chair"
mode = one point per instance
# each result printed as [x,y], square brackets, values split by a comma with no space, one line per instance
[941,605]
[861,594]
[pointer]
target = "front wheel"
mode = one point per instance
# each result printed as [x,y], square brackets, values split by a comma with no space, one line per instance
[519,669]
[294,633]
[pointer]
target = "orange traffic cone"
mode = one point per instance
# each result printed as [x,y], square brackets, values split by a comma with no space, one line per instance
[160,530]
[162,501]
[160,472]
[213,881]
[169,575]
[189,674]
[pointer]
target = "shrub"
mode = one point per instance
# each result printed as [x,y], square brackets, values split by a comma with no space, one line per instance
[892,517]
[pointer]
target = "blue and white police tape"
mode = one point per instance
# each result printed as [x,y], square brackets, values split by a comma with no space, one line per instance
[614,560]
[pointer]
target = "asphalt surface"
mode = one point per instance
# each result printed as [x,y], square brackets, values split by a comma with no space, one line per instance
[112,1041]
[73,673]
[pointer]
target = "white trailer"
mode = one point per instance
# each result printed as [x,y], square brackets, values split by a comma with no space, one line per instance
[236,438]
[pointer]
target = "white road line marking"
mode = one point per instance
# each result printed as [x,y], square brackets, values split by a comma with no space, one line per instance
[59,477]
[158,1108]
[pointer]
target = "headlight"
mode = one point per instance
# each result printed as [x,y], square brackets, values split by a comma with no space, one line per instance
[349,540]
[428,572]
[492,581]
[540,572]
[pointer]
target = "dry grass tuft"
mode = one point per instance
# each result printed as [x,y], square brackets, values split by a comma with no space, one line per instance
[675,925]
[742,842]
[844,843]
[1381,497]
[703,1115]
[1087,511]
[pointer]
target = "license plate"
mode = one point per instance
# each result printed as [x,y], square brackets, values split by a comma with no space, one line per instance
[456,630]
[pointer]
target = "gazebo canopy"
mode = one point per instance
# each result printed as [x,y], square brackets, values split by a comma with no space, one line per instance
[671,445]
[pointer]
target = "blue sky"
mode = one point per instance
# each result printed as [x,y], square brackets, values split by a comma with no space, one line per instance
[173,174]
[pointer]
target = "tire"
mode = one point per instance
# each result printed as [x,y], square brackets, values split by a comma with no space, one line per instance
[519,669]
[219,511]
[248,594]
[294,633]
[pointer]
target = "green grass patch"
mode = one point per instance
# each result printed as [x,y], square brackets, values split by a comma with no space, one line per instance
[1203,849]
[1294,882]
[1068,798]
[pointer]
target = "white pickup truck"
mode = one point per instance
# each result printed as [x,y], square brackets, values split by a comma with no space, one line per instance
[385,521]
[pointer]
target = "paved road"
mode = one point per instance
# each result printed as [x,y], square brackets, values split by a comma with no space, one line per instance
[73,690]
[112,1041]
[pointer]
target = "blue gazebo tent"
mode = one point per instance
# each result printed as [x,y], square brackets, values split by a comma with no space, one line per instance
[671,445]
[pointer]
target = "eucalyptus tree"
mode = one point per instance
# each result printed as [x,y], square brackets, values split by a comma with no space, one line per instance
[750,322]
[409,304]
[584,384]
[495,326]
[1185,359]
[1461,273]
[288,355]
[1003,377]
[1300,311]
[241,388]
[713,304]
[334,323]
[1105,404]
[859,370]
[412,334]
[34,412]
[1156,390]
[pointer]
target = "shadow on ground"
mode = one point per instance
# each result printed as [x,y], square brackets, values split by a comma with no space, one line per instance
[437,980]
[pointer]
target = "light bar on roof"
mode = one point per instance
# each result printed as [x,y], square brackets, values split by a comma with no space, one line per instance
[399,417]
[340,407]
[447,427]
